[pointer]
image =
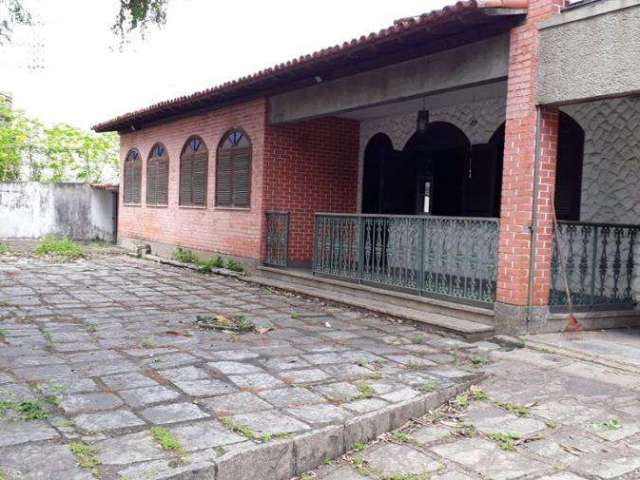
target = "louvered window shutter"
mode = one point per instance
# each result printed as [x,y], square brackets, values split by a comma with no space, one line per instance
[241,179]
[152,168]
[233,171]
[224,188]
[199,197]
[137,180]
[162,185]
[132,177]
[186,177]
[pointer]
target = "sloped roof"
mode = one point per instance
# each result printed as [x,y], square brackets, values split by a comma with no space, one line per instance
[407,38]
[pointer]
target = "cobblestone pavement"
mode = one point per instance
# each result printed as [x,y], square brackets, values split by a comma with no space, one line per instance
[538,416]
[103,372]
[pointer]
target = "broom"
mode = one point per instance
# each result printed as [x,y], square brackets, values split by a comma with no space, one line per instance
[572,322]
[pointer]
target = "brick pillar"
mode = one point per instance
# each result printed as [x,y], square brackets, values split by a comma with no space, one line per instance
[517,212]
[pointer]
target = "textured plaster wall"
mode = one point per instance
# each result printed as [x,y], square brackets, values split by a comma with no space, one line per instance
[478,120]
[590,52]
[611,168]
[33,210]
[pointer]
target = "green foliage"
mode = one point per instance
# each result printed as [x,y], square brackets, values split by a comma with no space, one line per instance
[61,247]
[167,441]
[61,153]
[185,256]
[505,440]
[234,266]
[4,248]
[12,12]
[428,387]
[138,15]
[238,428]
[87,456]
[212,264]
[613,424]
[365,391]
[359,447]
[237,324]
[132,15]
[28,410]
[518,410]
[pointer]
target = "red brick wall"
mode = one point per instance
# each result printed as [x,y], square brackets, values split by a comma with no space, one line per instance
[518,172]
[233,232]
[311,167]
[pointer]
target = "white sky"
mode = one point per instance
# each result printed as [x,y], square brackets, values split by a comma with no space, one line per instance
[68,68]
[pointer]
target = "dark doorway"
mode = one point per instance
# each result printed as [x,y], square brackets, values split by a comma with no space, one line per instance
[569,168]
[438,157]
[379,152]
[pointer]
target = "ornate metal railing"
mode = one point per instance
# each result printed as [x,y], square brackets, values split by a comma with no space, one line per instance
[277,239]
[598,261]
[450,257]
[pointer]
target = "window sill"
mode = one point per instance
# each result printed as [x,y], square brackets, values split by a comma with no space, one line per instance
[233,209]
[135,205]
[157,206]
[192,207]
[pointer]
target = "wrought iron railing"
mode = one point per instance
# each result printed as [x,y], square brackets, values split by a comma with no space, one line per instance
[451,257]
[277,239]
[596,261]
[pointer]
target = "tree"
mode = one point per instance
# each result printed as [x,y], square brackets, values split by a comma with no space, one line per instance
[132,15]
[60,153]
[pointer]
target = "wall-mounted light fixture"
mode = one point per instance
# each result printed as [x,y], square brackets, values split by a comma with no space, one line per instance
[422,122]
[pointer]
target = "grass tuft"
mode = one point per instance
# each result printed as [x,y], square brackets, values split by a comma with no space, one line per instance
[505,440]
[238,324]
[238,428]
[28,410]
[59,247]
[185,256]
[87,456]
[4,248]
[168,442]
[365,391]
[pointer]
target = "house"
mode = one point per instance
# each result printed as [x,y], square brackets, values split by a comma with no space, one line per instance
[484,157]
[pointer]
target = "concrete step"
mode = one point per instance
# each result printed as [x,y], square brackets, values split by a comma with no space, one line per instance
[438,316]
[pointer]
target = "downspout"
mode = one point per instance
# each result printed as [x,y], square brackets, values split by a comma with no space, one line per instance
[534,219]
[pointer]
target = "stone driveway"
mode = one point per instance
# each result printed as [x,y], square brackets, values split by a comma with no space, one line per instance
[538,416]
[96,355]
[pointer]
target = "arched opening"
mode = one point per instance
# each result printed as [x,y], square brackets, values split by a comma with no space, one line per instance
[379,150]
[569,169]
[233,170]
[437,160]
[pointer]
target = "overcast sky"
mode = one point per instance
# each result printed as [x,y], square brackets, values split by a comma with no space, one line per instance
[68,68]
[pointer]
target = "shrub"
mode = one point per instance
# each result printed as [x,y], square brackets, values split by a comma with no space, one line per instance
[185,256]
[211,264]
[62,247]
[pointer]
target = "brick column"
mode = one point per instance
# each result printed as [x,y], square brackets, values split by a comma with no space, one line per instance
[517,212]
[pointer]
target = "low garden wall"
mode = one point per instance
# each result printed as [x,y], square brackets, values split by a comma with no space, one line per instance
[75,210]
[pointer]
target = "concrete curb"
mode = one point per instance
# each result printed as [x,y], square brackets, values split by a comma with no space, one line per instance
[284,459]
[165,261]
[577,355]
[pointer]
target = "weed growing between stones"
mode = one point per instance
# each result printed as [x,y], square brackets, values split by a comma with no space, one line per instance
[517,410]
[27,410]
[238,428]
[148,342]
[612,424]
[505,440]
[185,256]
[4,248]
[168,442]
[59,247]
[428,387]
[2,334]
[207,266]
[400,437]
[87,456]
[365,391]
[359,446]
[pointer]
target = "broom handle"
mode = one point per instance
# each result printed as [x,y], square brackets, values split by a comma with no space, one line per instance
[562,264]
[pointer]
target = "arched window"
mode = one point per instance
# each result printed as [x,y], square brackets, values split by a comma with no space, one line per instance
[194,162]
[132,177]
[158,176]
[233,171]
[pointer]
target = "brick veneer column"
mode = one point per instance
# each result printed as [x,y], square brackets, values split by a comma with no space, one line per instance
[518,176]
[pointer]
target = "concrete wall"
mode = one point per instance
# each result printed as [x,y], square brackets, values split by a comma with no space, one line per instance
[75,210]
[611,167]
[473,64]
[589,52]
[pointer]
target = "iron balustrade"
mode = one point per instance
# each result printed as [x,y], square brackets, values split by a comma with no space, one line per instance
[277,239]
[598,260]
[449,257]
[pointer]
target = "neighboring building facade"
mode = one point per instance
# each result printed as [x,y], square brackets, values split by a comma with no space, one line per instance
[426,158]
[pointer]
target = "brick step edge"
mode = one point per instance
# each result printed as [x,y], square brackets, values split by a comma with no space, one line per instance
[466,328]
[287,458]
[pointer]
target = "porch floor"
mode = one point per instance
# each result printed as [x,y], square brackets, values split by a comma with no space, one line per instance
[468,321]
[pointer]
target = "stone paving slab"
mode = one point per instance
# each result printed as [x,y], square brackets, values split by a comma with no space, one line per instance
[107,349]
